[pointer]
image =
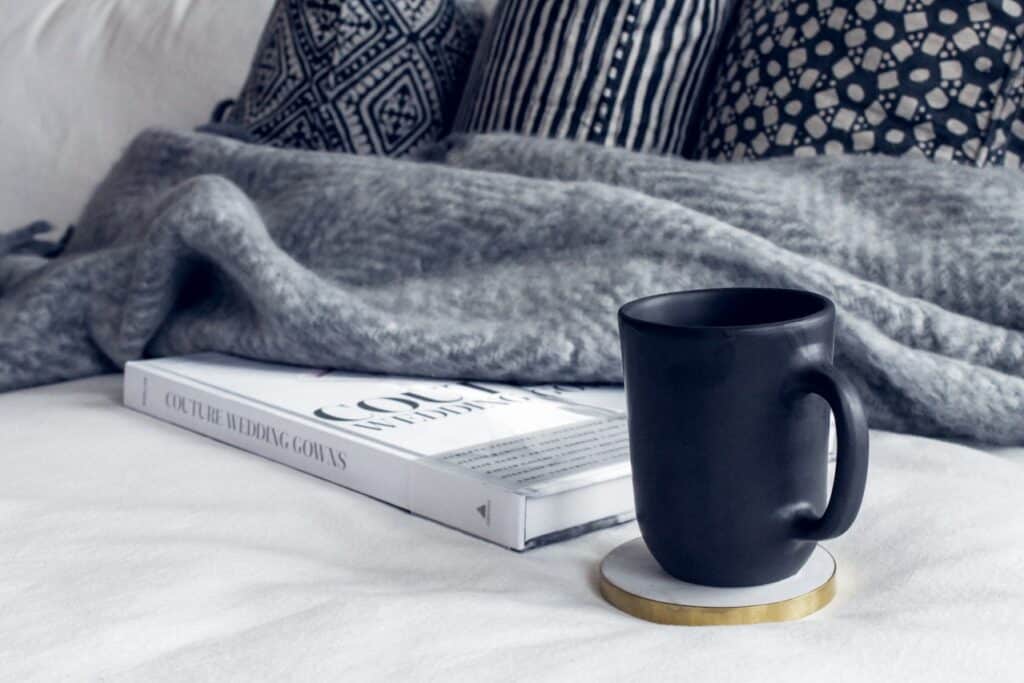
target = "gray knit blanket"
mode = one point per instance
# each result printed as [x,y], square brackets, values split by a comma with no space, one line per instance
[506,258]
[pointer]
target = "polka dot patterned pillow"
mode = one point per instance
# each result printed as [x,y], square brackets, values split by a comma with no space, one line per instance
[935,78]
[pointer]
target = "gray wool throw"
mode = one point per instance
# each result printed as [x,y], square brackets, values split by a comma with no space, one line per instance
[506,258]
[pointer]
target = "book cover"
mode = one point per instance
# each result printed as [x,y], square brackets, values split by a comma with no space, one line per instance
[518,465]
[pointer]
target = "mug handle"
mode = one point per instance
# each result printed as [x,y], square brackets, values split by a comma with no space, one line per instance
[835,387]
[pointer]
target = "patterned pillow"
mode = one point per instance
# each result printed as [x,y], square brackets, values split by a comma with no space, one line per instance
[614,72]
[362,76]
[938,78]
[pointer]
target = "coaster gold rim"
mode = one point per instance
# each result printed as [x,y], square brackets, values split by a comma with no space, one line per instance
[661,612]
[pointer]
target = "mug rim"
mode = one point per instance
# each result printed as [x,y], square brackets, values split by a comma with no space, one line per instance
[826,310]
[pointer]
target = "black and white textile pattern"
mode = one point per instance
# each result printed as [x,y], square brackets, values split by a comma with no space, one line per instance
[361,76]
[625,73]
[936,78]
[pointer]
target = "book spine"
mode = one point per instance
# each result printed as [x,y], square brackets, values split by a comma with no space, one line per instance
[406,482]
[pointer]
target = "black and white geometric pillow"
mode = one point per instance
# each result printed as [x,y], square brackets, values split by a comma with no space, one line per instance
[616,72]
[935,78]
[361,76]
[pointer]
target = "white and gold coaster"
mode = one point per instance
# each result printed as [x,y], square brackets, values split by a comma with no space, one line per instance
[633,581]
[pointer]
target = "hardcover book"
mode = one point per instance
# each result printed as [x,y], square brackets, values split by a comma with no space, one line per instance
[521,466]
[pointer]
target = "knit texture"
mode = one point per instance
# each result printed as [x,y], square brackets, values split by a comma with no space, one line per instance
[508,259]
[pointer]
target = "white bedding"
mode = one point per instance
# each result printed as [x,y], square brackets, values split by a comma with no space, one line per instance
[79,78]
[132,549]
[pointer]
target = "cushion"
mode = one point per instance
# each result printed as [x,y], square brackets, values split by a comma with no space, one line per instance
[614,72]
[361,76]
[80,78]
[937,78]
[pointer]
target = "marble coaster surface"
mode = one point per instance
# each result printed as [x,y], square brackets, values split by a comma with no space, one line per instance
[633,581]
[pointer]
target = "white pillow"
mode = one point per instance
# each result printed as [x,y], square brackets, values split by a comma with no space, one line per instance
[81,77]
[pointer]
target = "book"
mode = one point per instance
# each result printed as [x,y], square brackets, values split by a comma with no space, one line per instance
[521,466]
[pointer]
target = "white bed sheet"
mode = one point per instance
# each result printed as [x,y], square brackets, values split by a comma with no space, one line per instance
[133,550]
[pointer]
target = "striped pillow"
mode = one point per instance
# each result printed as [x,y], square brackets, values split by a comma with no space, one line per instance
[615,72]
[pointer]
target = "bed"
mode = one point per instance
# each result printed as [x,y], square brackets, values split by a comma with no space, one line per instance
[133,550]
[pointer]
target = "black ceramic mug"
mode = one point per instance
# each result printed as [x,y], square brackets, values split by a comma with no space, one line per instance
[728,432]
